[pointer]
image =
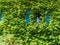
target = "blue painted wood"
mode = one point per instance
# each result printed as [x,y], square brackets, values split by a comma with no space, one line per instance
[47,19]
[27,19]
[0,15]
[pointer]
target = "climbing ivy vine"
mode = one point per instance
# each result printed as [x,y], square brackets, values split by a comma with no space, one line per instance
[13,13]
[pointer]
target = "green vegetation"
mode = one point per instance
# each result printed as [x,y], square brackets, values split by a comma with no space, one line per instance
[14,31]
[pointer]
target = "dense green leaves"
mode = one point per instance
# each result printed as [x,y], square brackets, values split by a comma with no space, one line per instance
[13,13]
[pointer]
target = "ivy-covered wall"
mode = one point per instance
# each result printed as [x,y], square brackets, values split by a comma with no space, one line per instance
[13,22]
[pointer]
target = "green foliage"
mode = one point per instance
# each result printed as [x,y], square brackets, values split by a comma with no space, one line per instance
[13,13]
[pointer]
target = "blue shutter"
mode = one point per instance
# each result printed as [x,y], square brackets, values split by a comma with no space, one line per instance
[47,19]
[0,16]
[27,19]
